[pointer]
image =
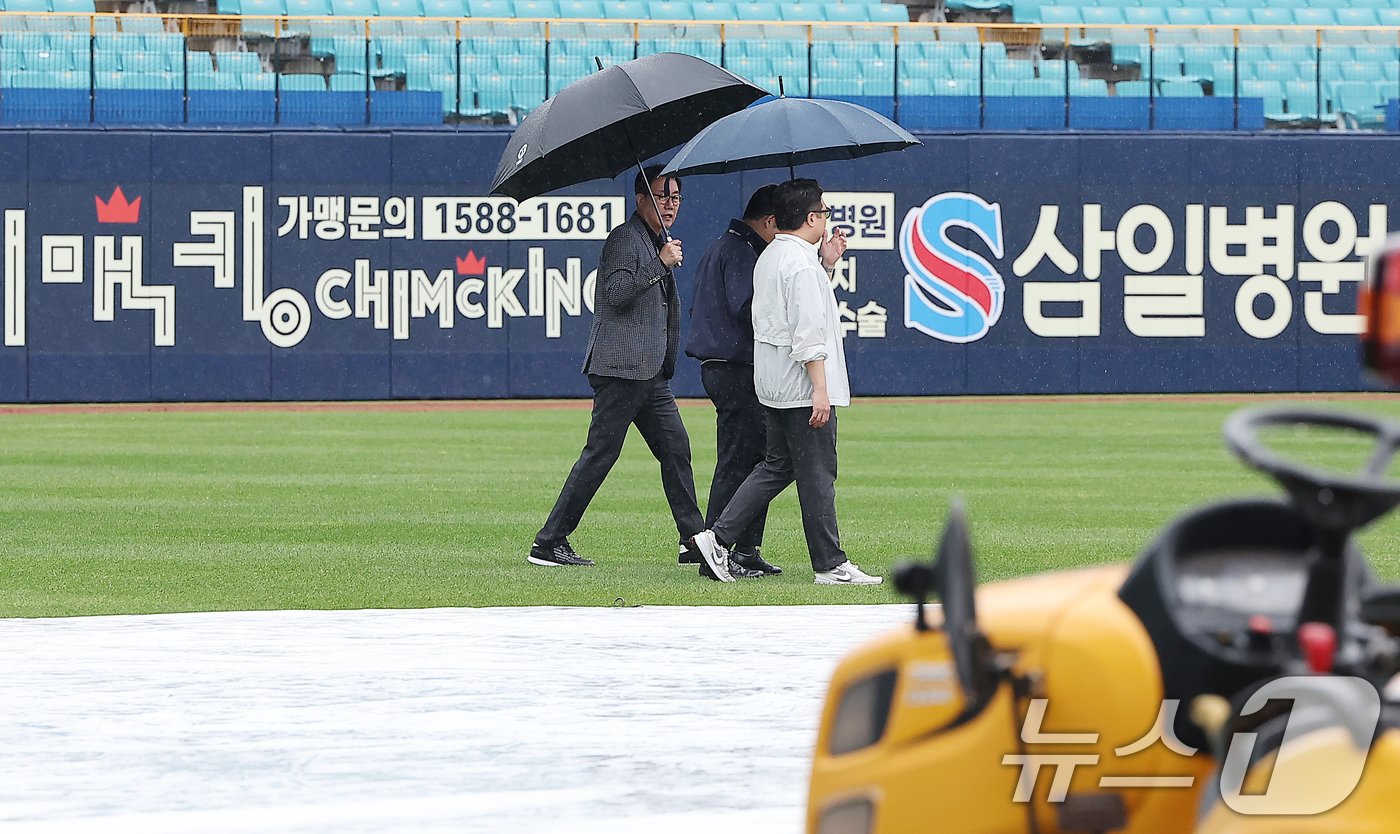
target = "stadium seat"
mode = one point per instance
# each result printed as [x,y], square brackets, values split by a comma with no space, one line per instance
[669,10]
[261,7]
[1038,87]
[1302,97]
[756,11]
[889,13]
[302,82]
[238,62]
[537,9]
[309,8]
[28,6]
[1188,17]
[1179,88]
[800,11]
[145,62]
[1145,16]
[490,8]
[624,9]
[1133,89]
[199,62]
[845,12]
[1357,17]
[716,11]
[917,86]
[581,9]
[349,83]
[1091,87]
[345,8]
[397,8]
[443,8]
[69,6]
[1271,16]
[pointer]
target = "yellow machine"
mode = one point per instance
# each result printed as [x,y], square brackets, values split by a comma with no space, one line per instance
[1231,681]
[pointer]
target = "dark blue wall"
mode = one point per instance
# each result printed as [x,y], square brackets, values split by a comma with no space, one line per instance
[70,353]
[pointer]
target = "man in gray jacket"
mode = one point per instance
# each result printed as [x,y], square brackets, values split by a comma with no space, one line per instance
[630,361]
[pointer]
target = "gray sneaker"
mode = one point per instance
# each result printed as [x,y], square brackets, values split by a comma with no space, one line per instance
[846,574]
[715,556]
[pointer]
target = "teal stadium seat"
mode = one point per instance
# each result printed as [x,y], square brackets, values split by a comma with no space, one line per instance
[713,11]
[309,8]
[581,10]
[145,62]
[669,10]
[238,62]
[346,83]
[1058,70]
[845,12]
[1271,16]
[1010,70]
[624,9]
[1132,89]
[800,11]
[1228,16]
[199,62]
[1188,17]
[1302,100]
[32,6]
[1314,16]
[1088,87]
[70,6]
[537,9]
[1179,88]
[889,13]
[998,87]
[756,11]
[260,8]
[490,8]
[1038,87]
[925,68]
[302,82]
[343,8]
[916,86]
[443,8]
[1145,16]
[397,8]
[1357,17]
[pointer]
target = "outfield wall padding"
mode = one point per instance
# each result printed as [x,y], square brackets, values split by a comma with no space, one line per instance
[1209,263]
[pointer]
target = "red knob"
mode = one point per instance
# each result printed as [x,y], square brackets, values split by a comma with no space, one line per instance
[1319,644]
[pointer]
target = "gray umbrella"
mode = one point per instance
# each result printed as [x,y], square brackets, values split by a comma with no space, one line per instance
[788,131]
[603,124]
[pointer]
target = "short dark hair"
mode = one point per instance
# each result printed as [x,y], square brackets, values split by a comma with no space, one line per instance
[793,201]
[760,203]
[648,175]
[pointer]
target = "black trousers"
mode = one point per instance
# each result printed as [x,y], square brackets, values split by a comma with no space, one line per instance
[740,440]
[796,452]
[618,403]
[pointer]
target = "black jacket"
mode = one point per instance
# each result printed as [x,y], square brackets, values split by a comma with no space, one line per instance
[721,324]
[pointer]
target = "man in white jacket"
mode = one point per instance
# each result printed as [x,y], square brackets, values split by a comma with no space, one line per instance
[800,378]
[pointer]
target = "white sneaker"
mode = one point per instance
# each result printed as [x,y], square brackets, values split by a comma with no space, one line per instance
[714,554]
[847,574]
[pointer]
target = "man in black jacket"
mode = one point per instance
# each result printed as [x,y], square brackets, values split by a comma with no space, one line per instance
[630,361]
[721,337]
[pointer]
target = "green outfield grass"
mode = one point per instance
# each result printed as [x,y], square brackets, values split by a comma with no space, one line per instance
[126,511]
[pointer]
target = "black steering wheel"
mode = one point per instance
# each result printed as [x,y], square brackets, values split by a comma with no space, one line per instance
[1330,500]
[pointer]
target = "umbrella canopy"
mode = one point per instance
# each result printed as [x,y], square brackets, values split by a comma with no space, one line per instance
[788,132]
[605,123]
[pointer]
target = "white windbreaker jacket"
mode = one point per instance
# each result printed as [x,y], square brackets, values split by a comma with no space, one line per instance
[795,321]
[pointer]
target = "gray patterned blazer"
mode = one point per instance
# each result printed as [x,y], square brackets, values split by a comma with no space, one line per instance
[636,312]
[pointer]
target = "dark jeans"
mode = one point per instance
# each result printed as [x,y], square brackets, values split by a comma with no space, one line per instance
[617,403]
[740,438]
[796,451]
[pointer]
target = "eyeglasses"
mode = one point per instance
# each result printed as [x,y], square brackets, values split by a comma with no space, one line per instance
[825,211]
[673,199]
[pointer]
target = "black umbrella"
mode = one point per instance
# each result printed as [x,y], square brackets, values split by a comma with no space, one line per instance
[603,124]
[788,131]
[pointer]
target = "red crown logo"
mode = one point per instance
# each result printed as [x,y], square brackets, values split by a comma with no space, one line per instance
[117,209]
[471,265]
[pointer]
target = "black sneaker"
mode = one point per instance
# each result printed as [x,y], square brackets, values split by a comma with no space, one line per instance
[559,554]
[736,571]
[689,555]
[754,561]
